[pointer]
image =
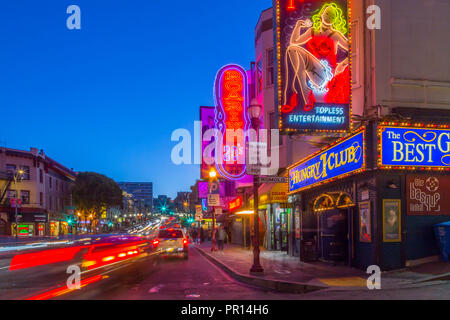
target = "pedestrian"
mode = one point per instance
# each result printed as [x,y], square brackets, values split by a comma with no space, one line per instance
[221,237]
[202,235]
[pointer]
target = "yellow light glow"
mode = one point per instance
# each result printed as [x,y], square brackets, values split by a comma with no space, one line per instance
[244,212]
[212,173]
[86,264]
[108,258]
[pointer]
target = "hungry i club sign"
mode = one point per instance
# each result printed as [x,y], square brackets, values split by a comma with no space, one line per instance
[339,160]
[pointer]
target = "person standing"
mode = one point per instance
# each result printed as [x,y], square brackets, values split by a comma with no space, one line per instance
[221,237]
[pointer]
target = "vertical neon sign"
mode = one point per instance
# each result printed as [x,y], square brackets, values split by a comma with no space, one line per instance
[231,98]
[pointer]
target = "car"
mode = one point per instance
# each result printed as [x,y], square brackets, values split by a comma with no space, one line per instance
[172,241]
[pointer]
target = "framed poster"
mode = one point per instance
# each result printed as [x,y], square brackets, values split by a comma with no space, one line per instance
[392,220]
[365,222]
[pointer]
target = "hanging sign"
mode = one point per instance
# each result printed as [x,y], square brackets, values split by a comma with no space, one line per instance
[231,97]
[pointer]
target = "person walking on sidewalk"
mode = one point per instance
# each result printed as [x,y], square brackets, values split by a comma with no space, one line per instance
[221,237]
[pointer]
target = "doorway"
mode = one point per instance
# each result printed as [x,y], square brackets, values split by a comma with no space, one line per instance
[332,227]
[280,230]
[3,227]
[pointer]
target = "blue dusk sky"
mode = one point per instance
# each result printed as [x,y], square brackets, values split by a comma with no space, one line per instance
[107,98]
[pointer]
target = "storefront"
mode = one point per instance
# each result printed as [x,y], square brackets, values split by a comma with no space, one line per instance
[373,197]
[29,224]
[274,215]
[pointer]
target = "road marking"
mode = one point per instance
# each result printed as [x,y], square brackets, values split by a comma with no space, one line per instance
[193,296]
[4,267]
[156,289]
[282,271]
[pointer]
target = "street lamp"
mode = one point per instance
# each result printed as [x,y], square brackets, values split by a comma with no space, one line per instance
[212,176]
[18,175]
[254,112]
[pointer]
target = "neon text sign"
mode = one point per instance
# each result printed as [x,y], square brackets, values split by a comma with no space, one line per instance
[339,160]
[414,147]
[231,97]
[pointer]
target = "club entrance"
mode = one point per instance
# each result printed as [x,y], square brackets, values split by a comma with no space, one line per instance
[334,214]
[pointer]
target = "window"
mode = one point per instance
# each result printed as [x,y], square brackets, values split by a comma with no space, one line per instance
[41,199]
[170,234]
[11,169]
[259,77]
[41,176]
[269,71]
[25,196]
[356,81]
[56,185]
[50,202]
[274,125]
[26,172]
[50,182]
[11,194]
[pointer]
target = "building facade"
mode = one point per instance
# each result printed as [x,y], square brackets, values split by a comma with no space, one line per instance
[142,193]
[45,190]
[374,209]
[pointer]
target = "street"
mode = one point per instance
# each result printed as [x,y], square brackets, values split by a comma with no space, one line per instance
[195,151]
[199,279]
[174,278]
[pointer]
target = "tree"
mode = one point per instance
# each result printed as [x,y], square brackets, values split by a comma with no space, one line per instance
[94,194]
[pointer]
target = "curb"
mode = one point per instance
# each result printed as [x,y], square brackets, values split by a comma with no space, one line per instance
[297,287]
[277,285]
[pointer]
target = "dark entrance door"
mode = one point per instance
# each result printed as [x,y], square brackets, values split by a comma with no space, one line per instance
[333,235]
[3,227]
[280,230]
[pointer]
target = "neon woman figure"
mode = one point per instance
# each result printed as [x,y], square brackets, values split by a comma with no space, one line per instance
[313,55]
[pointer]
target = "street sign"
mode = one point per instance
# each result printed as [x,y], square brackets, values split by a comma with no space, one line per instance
[198,217]
[272,179]
[213,200]
[213,187]
[218,211]
[253,153]
[198,209]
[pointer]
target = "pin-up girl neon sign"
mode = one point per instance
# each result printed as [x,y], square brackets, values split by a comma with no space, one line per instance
[317,72]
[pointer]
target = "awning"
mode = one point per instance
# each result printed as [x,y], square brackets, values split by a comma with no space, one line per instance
[271,193]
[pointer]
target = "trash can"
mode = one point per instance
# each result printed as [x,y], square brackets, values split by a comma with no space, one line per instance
[442,231]
[308,250]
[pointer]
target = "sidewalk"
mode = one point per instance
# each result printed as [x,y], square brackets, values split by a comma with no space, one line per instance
[288,274]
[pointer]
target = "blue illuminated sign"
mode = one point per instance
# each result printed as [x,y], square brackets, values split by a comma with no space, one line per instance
[348,156]
[323,116]
[414,147]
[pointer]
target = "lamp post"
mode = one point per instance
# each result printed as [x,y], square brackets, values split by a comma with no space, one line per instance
[254,112]
[212,176]
[18,175]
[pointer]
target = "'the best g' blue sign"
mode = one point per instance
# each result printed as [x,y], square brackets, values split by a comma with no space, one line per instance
[343,158]
[415,147]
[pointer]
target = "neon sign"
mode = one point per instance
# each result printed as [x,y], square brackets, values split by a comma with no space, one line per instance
[235,204]
[341,159]
[412,148]
[314,65]
[231,96]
